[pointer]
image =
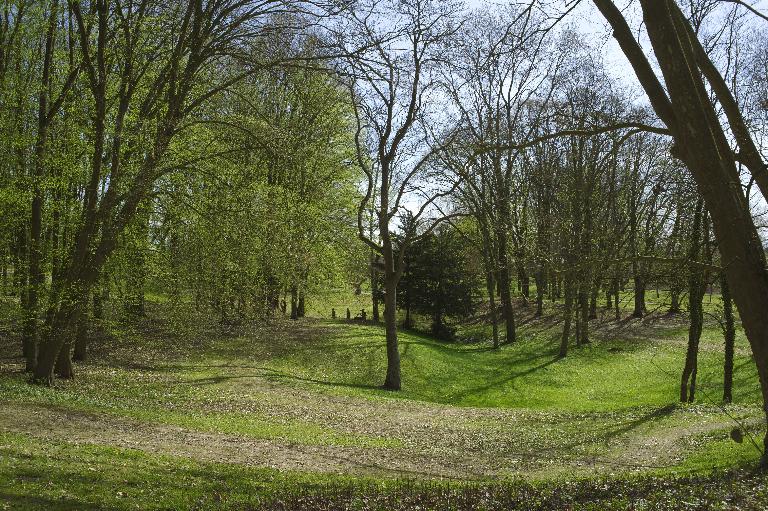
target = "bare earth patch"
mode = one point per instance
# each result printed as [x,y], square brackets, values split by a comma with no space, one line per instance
[437,441]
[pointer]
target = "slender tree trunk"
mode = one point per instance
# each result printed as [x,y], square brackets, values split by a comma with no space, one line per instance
[294,302]
[492,307]
[374,289]
[81,337]
[595,291]
[674,299]
[301,306]
[639,284]
[695,297]
[567,316]
[29,341]
[583,314]
[729,334]
[5,273]
[525,283]
[541,289]
[507,310]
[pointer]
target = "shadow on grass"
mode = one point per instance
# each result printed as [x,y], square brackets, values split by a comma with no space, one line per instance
[458,396]
[274,375]
[17,501]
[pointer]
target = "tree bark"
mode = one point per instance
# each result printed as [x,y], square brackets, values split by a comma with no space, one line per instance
[567,316]
[301,308]
[392,381]
[374,288]
[294,303]
[695,312]
[541,289]
[702,144]
[729,335]
[492,308]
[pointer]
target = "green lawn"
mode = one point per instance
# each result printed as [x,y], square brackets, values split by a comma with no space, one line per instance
[173,413]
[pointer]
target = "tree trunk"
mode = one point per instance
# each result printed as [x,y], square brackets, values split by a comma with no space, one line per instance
[392,381]
[294,303]
[29,342]
[492,308]
[593,299]
[541,289]
[525,283]
[674,299]
[5,273]
[567,316]
[702,144]
[507,310]
[639,283]
[374,288]
[583,315]
[63,367]
[301,309]
[729,334]
[695,297]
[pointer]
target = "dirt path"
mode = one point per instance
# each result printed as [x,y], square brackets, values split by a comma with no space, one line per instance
[59,424]
[439,443]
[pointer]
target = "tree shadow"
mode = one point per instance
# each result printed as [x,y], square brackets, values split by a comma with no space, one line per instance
[36,502]
[274,375]
[503,381]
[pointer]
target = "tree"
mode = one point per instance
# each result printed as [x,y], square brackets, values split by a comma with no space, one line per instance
[148,66]
[701,141]
[499,81]
[391,75]
[438,281]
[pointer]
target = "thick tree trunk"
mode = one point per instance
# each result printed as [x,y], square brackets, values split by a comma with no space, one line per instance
[392,381]
[701,143]
[55,352]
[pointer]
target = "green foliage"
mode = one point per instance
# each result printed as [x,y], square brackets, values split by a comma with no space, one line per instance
[437,280]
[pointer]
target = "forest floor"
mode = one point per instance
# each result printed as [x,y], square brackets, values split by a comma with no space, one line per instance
[172,414]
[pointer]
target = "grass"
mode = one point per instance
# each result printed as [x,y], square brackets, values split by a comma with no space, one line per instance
[178,414]
[63,476]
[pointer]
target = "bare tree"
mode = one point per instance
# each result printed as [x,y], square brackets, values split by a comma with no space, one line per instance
[499,81]
[393,50]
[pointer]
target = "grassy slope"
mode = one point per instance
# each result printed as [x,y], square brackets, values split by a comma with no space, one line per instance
[262,383]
